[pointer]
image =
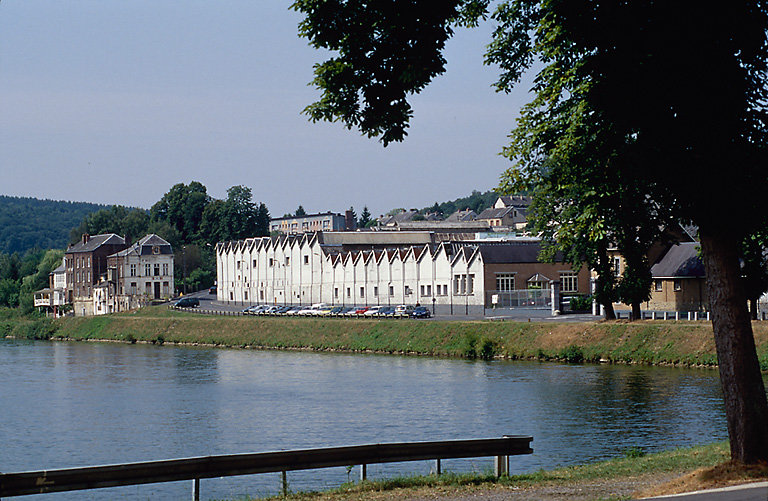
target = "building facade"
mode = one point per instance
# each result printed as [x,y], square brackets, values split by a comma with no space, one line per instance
[86,265]
[383,268]
[327,221]
[141,273]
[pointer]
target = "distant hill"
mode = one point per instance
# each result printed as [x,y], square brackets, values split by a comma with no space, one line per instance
[477,201]
[26,223]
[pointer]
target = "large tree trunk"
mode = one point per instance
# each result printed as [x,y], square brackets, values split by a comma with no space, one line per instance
[746,408]
[610,313]
[636,313]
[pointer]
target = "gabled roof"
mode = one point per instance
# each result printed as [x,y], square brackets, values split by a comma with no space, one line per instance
[95,242]
[496,213]
[515,200]
[462,215]
[147,246]
[511,252]
[680,261]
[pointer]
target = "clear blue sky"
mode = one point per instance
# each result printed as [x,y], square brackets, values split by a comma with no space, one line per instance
[116,101]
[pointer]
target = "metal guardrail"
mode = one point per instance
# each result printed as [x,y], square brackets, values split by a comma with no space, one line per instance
[173,470]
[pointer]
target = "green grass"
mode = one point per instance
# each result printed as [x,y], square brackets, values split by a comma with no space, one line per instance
[649,342]
[633,464]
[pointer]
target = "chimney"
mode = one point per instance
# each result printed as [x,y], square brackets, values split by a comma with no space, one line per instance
[349,221]
[86,237]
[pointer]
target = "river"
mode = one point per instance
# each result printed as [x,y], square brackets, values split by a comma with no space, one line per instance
[67,404]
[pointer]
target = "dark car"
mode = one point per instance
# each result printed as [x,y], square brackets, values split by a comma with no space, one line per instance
[212,290]
[187,302]
[420,312]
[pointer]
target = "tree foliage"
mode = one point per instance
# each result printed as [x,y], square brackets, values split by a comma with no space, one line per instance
[667,98]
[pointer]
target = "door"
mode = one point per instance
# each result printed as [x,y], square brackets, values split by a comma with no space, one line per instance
[157,290]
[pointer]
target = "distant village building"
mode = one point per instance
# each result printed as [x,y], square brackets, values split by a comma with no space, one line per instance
[53,299]
[325,221]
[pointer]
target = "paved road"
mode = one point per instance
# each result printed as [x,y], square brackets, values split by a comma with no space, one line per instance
[209,302]
[749,492]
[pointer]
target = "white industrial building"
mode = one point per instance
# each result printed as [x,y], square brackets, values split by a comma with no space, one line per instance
[382,268]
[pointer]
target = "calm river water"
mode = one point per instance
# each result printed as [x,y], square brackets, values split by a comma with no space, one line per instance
[82,404]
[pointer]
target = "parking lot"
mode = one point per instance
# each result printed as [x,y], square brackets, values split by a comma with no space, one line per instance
[208,302]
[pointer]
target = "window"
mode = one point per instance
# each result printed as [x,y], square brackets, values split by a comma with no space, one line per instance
[165,269]
[287,261]
[569,281]
[261,295]
[391,290]
[254,263]
[678,285]
[245,295]
[658,285]
[165,289]
[237,265]
[157,270]
[375,291]
[271,262]
[335,292]
[422,290]
[148,288]
[349,292]
[362,291]
[464,284]
[133,270]
[231,296]
[408,290]
[505,282]
[133,288]
[429,290]
[617,266]
[147,270]
[306,259]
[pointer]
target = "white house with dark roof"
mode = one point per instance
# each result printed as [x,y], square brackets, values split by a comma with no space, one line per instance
[141,273]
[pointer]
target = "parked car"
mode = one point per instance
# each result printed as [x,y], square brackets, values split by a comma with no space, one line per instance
[386,311]
[373,310]
[404,310]
[349,311]
[187,302]
[212,290]
[361,310]
[336,311]
[420,312]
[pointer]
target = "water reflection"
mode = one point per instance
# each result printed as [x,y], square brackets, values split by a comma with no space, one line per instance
[71,404]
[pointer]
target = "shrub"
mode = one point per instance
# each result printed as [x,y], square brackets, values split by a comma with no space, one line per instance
[470,346]
[581,303]
[487,350]
[572,354]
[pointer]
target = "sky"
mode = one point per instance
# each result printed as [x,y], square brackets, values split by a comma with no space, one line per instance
[114,102]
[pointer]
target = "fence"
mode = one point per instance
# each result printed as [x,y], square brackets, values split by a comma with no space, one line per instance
[524,298]
[39,482]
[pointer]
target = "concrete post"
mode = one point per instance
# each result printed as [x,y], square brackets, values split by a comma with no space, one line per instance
[555,297]
[363,472]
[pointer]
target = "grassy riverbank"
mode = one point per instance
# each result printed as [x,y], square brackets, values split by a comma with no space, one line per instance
[649,342]
[634,475]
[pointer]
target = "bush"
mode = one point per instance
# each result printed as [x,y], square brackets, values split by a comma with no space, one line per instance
[487,350]
[581,303]
[572,354]
[470,346]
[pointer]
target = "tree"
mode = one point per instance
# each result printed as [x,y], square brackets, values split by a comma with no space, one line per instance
[365,218]
[182,207]
[262,221]
[300,212]
[641,72]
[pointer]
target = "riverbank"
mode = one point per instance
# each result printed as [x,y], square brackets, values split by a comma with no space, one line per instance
[647,342]
[634,476]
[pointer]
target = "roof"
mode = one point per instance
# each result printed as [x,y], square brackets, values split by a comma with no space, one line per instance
[147,245]
[462,215]
[496,213]
[95,242]
[681,260]
[515,200]
[307,216]
[511,252]
[61,269]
